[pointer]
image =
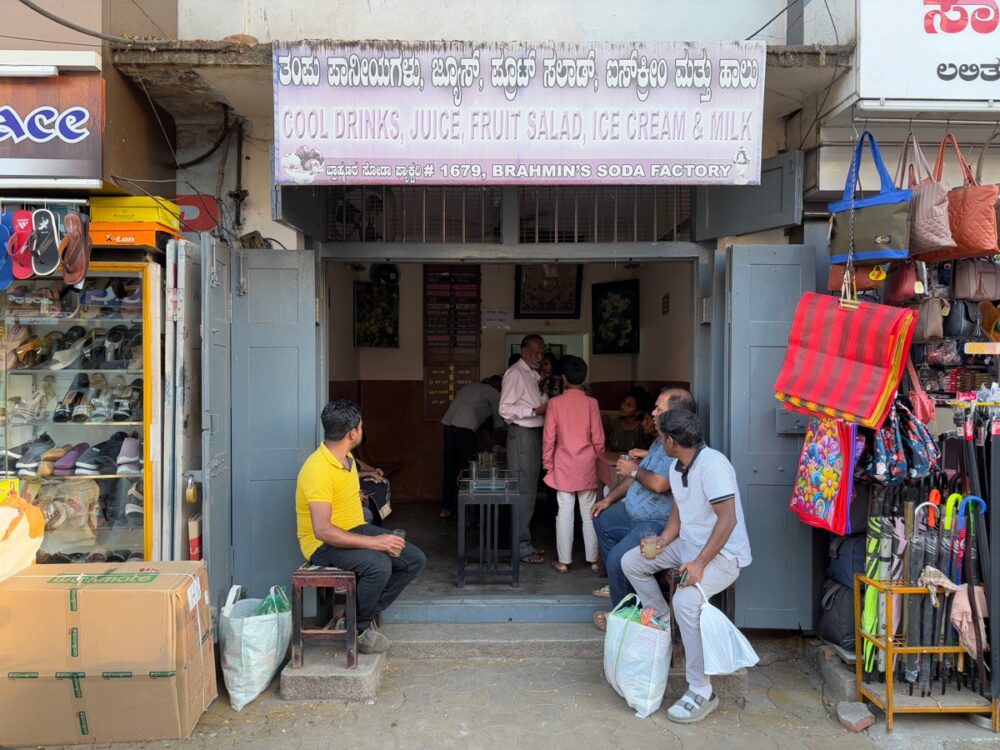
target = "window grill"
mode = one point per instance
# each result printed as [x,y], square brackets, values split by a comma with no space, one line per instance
[413,214]
[624,213]
[547,214]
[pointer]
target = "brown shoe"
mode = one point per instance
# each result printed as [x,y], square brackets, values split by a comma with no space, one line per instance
[601,620]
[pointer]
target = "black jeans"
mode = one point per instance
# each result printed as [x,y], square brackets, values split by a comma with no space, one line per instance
[459,448]
[381,577]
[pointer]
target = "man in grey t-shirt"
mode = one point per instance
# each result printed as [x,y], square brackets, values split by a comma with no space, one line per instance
[705,540]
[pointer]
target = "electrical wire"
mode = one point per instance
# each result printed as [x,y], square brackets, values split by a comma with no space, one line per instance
[833,78]
[226,128]
[773,18]
[90,32]
[49,41]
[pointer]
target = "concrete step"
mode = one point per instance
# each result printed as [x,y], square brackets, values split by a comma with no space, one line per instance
[483,609]
[325,676]
[495,641]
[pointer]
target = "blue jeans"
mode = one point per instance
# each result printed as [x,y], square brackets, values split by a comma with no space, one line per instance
[617,533]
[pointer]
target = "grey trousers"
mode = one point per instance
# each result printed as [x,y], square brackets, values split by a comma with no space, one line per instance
[524,456]
[719,575]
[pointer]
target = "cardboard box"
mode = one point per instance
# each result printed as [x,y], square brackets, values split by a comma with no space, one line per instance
[146,234]
[141,209]
[109,652]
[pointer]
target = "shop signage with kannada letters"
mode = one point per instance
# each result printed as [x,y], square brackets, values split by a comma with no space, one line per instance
[477,114]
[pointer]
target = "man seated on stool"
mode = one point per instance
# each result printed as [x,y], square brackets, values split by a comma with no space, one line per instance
[332,529]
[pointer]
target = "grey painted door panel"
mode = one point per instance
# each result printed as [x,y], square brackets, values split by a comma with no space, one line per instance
[216,400]
[728,210]
[274,409]
[765,284]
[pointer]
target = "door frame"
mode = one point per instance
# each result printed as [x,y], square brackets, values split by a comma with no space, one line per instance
[706,337]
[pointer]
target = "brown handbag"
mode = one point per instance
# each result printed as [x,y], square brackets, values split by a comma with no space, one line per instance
[930,321]
[923,405]
[971,211]
[865,277]
[976,280]
[930,227]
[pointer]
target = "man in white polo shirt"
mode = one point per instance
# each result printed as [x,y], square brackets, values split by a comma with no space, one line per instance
[705,540]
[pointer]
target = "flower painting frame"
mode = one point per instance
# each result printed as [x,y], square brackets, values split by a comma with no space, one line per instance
[615,317]
[376,315]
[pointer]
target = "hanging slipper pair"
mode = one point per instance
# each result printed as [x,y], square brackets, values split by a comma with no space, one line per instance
[6,263]
[74,250]
[34,243]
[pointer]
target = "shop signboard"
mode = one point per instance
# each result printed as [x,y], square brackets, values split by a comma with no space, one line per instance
[478,114]
[940,49]
[50,131]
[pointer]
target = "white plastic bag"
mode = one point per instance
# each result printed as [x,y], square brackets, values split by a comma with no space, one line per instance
[253,646]
[636,659]
[726,649]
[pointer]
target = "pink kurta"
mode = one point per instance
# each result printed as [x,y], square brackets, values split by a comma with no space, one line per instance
[572,442]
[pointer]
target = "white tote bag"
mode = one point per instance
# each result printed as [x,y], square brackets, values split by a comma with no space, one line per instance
[636,660]
[726,649]
[253,646]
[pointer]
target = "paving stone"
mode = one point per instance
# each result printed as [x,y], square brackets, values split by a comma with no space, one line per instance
[854,716]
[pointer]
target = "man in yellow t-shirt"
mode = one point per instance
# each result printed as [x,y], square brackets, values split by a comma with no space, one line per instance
[332,529]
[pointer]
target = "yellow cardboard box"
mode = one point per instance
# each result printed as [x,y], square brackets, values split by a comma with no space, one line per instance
[132,210]
[109,652]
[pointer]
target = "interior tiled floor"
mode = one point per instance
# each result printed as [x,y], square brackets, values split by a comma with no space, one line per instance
[439,541]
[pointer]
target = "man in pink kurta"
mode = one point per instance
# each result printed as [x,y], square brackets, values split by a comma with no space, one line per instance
[572,441]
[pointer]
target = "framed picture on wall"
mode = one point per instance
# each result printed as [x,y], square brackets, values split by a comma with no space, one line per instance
[615,317]
[376,315]
[548,291]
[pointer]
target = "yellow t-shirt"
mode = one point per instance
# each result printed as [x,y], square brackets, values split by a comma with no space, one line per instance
[323,479]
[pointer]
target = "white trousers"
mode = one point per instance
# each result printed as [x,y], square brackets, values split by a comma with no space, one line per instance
[564,524]
[718,576]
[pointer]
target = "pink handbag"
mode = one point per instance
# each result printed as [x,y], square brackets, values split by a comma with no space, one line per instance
[976,280]
[929,224]
[923,405]
[901,286]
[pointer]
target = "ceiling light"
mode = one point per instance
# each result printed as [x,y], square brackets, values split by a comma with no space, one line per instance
[28,71]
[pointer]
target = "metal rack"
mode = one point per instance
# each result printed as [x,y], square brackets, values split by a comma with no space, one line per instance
[884,695]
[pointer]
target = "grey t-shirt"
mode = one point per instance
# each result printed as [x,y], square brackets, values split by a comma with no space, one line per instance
[708,479]
[473,404]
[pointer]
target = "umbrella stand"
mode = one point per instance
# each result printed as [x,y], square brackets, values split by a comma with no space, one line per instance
[971,575]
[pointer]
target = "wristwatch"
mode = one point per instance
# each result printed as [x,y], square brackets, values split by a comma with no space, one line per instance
[634,474]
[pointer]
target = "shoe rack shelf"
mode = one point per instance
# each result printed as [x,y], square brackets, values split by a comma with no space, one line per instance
[886,695]
[106,361]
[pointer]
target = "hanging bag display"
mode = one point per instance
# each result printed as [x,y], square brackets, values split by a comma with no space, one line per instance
[824,485]
[962,320]
[971,211]
[976,280]
[866,277]
[873,229]
[884,460]
[930,325]
[844,358]
[905,282]
[979,173]
[930,227]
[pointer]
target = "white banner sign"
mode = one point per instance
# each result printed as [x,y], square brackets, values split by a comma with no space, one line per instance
[938,49]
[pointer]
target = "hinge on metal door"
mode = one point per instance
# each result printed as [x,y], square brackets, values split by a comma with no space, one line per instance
[316,300]
[175,304]
[706,310]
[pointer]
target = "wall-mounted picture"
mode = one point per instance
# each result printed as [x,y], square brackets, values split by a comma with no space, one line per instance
[615,312]
[376,315]
[548,291]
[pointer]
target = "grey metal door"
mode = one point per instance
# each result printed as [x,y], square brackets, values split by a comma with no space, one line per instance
[765,284]
[216,390]
[274,408]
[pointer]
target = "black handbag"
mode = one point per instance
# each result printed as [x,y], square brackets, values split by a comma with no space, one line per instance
[836,616]
[962,320]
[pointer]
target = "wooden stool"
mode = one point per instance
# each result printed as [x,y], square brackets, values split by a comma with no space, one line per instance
[328,581]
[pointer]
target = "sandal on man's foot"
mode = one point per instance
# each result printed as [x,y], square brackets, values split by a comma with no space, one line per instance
[601,620]
[691,708]
[560,567]
[604,592]
[595,567]
[533,558]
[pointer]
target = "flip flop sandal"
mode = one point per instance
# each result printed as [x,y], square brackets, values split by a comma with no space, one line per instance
[64,411]
[601,620]
[103,406]
[84,408]
[560,567]
[48,303]
[44,243]
[604,592]
[113,344]
[22,301]
[74,250]
[17,246]
[691,708]
[6,264]
[127,404]
[533,559]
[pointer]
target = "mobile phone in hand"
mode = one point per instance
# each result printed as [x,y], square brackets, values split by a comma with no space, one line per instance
[683,580]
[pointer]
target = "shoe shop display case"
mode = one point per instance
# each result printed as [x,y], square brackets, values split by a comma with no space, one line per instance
[80,416]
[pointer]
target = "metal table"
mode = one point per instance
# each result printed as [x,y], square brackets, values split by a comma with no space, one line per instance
[488,494]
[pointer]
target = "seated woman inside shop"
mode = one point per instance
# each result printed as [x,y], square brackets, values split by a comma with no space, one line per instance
[625,432]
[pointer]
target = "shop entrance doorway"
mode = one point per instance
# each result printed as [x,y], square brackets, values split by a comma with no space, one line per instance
[380,352]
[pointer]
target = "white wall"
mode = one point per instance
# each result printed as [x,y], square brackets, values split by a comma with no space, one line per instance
[665,341]
[521,20]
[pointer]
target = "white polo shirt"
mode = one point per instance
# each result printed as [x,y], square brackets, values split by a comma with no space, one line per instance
[708,479]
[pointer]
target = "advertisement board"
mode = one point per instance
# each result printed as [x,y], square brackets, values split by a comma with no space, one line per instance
[467,114]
